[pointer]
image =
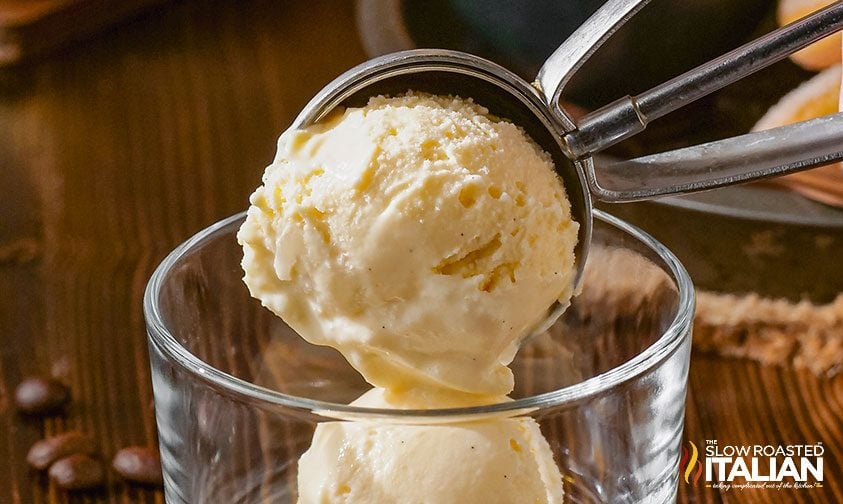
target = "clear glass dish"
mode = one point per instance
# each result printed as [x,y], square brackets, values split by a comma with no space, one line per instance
[238,394]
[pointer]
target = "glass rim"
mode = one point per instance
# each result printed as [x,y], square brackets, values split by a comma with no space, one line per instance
[570,395]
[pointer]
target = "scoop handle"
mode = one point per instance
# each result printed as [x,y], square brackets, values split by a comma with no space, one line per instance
[630,115]
[558,69]
[761,154]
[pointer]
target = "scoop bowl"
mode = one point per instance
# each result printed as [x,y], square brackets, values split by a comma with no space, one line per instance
[502,92]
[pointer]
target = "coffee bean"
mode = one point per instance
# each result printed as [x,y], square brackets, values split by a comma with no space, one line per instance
[77,472]
[45,452]
[39,395]
[139,464]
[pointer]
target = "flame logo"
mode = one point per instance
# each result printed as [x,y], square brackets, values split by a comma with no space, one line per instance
[690,463]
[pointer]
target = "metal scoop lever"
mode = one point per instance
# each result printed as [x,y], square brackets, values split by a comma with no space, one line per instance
[762,154]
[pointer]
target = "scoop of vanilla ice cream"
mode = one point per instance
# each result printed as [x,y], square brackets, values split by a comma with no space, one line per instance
[418,235]
[496,461]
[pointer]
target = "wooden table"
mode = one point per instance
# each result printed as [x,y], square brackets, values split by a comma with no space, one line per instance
[115,149]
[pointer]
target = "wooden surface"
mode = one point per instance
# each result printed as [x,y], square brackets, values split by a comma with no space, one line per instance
[117,148]
[32,27]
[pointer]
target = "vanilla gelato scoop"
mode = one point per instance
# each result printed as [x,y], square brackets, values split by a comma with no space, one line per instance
[418,235]
[497,461]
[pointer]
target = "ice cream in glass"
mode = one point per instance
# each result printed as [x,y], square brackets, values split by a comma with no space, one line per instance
[423,238]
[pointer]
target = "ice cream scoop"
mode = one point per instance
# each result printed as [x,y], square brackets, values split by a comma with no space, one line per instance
[535,108]
[496,461]
[418,235]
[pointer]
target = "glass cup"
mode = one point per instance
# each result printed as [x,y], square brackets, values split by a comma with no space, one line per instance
[238,394]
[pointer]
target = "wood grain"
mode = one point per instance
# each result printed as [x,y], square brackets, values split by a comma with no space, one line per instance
[117,148]
[31,27]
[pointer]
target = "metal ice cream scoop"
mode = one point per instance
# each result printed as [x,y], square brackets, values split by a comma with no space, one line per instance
[536,108]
